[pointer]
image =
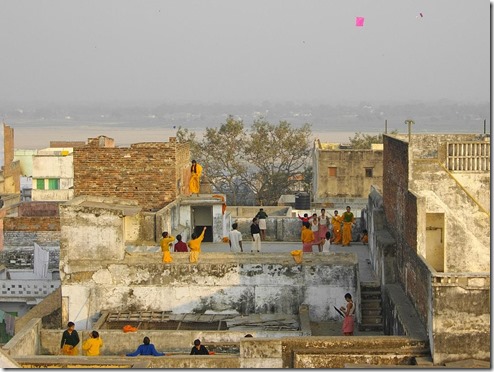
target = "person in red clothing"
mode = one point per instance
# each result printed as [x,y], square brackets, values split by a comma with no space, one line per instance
[305,218]
[180,246]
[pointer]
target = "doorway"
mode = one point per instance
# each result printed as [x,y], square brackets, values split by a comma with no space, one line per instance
[434,254]
[203,216]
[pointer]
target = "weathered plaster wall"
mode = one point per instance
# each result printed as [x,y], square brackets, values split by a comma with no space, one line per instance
[268,283]
[462,318]
[93,228]
[350,180]
[151,173]
[466,236]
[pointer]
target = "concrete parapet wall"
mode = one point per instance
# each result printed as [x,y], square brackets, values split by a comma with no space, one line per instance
[116,342]
[261,353]
[310,352]
[283,228]
[264,283]
[26,341]
[461,320]
[139,362]
[400,317]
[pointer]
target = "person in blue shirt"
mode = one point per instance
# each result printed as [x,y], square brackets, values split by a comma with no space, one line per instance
[146,349]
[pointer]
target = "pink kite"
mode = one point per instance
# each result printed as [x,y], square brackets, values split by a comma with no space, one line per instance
[359,21]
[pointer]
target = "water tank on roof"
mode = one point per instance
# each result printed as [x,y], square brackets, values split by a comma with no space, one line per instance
[302,201]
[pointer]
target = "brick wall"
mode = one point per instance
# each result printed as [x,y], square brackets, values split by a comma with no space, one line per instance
[31,224]
[27,238]
[400,208]
[64,144]
[38,209]
[147,172]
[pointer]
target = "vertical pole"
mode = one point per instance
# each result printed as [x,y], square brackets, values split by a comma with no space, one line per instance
[409,122]
[484,126]
[386,126]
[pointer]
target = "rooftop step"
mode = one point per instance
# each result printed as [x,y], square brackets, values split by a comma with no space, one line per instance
[371,304]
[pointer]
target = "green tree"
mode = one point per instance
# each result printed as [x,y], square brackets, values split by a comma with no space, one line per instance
[364,141]
[222,158]
[275,153]
[184,135]
[258,165]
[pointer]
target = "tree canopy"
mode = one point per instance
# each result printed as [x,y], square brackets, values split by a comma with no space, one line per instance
[255,165]
[364,141]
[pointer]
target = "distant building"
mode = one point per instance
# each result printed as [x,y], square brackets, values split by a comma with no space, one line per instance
[341,172]
[53,175]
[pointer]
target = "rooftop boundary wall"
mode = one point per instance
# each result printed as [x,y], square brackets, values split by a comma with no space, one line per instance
[255,352]
[262,284]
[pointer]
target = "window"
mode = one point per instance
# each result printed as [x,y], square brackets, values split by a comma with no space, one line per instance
[40,184]
[53,184]
[368,172]
[332,171]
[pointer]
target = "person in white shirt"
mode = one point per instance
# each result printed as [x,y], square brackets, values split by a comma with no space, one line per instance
[327,243]
[235,239]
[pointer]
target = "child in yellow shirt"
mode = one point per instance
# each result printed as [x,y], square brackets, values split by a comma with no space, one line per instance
[195,246]
[166,240]
[92,344]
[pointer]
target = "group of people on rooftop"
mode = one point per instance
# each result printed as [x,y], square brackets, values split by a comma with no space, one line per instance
[91,347]
[194,245]
[316,230]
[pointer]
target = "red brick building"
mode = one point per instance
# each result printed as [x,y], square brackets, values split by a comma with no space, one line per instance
[153,173]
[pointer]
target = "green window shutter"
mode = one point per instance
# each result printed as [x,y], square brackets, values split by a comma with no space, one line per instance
[40,184]
[53,184]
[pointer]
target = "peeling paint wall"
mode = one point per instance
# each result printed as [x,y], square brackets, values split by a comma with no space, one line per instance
[91,231]
[220,282]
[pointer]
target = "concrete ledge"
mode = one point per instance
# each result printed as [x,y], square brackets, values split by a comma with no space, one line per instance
[307,360]
[390,366]
[26,342]
[406,313]
[174,361]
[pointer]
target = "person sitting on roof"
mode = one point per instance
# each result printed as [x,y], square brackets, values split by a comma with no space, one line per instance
[146,349]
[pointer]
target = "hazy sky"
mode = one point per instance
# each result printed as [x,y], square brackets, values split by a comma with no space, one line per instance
[244,50]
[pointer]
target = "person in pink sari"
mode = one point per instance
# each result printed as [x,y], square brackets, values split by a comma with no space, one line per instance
[349,321]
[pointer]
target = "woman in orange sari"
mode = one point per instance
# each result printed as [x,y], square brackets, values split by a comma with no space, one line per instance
[195,175]
[336,223]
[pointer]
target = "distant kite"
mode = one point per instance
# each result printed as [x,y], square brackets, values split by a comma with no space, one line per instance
[421,15]
[359,21]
